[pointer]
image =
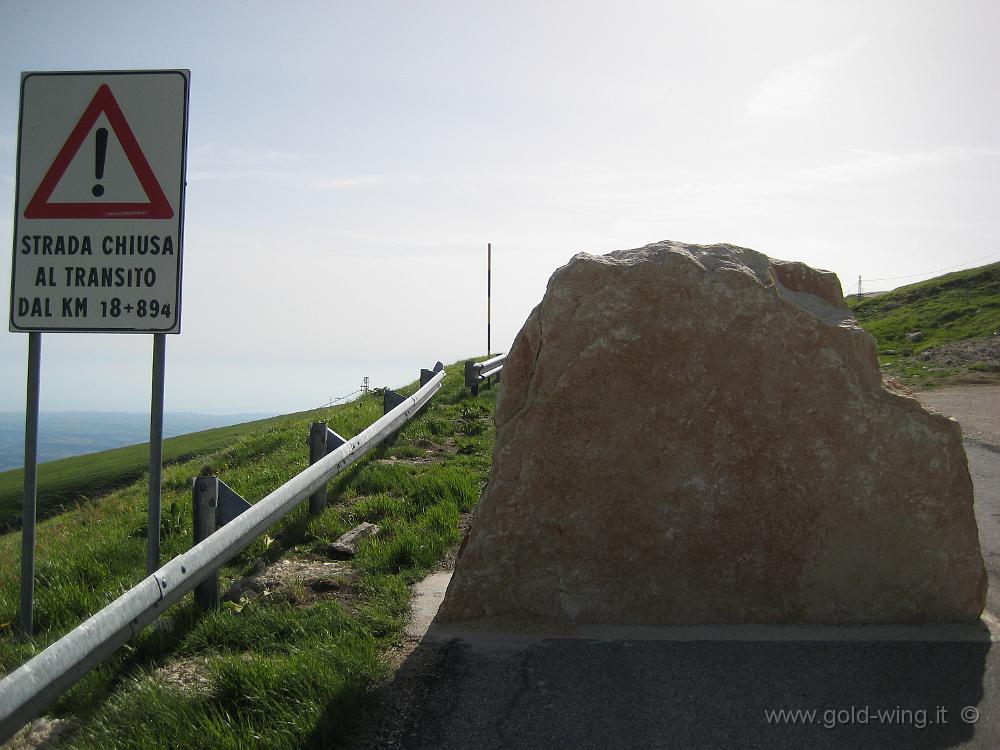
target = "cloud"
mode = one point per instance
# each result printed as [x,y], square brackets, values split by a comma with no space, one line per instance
[241,156]
[288,177]
[345,183]
[242,164]
[875,164]
[238,163]
[646,201]
[869,166]
[795,90]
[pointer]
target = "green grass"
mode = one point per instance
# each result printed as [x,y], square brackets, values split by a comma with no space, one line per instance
[953,307]
[286,669]
[83,479]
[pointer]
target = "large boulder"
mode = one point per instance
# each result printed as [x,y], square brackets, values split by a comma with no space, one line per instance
[700,434]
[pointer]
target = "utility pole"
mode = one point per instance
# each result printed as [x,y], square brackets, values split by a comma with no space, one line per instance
[861,294]
[489,284]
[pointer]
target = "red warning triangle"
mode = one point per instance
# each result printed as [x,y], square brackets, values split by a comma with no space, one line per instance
[158,206]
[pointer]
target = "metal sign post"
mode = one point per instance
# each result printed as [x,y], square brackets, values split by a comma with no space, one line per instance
[155,454]
[98,225]
[24,616]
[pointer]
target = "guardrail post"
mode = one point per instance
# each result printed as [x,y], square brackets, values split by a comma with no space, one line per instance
[321,440]
[390,400]
[426,375]
[205,494]
[215,505]
[486,372]
[472,376]
[317,449]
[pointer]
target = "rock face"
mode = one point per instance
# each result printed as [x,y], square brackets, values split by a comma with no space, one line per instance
[700,434]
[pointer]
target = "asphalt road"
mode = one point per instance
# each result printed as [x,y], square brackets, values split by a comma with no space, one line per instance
[711,688]
[565,693]
[984,465]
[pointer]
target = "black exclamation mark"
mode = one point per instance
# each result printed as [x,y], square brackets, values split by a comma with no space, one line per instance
[100,154]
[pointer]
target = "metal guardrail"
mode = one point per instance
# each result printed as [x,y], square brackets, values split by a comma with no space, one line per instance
[481,372]
[31,687]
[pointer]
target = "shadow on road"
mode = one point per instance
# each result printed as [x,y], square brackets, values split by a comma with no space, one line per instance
[575,693]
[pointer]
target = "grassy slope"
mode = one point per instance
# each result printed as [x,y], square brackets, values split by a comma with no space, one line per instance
[953,307]
[284,671]
[79,479]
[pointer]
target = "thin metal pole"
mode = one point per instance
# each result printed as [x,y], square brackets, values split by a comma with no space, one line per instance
[155,454]
[489,284]
[24,620]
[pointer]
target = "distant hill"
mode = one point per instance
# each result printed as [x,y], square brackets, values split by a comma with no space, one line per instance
[68,481]
[63,434]
[916,325]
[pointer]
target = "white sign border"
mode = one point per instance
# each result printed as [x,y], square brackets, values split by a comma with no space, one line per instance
[175,327]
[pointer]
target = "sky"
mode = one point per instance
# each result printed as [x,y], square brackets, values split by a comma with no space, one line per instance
[348,162]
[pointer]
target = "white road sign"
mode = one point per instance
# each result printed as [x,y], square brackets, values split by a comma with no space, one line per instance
[100,202]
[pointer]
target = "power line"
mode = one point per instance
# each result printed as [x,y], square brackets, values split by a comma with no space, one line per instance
[931,273]
[338,399]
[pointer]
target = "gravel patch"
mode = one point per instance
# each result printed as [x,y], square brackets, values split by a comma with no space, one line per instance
[984,353]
